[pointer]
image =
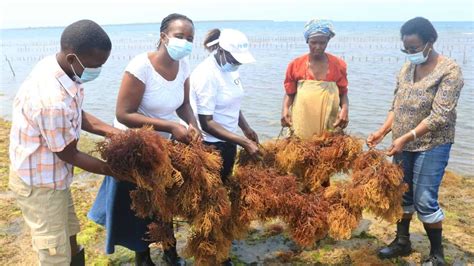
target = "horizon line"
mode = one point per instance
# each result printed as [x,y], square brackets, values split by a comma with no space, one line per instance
[231,20]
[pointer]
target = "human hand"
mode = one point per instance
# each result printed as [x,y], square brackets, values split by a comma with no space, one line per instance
[374,138]
[342,118]
[181,134]
[397,146]
[286,120]
[251,135]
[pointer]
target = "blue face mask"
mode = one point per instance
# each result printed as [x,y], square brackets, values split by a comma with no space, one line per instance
[88,74]
[226,66]
[418,58]
[178,48]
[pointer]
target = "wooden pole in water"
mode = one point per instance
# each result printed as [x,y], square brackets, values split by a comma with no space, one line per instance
[464,56]
[9,64]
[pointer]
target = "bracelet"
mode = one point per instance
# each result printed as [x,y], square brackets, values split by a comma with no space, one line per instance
[413,132]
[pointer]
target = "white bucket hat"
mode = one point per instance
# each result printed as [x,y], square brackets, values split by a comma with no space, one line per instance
[236,43]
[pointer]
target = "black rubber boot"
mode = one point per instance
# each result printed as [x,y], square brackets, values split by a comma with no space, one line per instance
[79,259]
[227,262]
[142,258]
[170,256]
[401,246]
[436,251]
[435,260]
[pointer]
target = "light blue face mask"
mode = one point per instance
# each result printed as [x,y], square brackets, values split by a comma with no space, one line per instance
[88,74]
[178,48]
[228,67]
[418,58]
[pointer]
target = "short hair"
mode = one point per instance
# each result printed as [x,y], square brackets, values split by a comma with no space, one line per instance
[165,23]
[83,36]
[421,27]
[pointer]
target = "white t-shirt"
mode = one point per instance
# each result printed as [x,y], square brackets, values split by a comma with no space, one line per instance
[217,93]
[161,97]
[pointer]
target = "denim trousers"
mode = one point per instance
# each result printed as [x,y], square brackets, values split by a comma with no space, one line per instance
[423,172]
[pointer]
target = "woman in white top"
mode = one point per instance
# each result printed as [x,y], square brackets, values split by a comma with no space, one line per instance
[216,96]
[155,86]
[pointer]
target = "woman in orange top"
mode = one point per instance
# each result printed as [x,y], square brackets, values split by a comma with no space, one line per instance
[316,86]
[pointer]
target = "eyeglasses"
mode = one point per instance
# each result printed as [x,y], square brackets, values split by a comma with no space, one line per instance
[414,51]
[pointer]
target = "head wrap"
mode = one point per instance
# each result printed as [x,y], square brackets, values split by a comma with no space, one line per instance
[316,27]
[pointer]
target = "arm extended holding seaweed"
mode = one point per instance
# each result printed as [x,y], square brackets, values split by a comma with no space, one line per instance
[186,113]
[377,136]
[285,110]
[96,126]
[129,98]
[248,131]
[72,155]
[343,117]
[399,143]
[213,128]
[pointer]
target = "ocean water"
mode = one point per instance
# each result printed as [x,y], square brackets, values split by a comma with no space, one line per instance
[371,50]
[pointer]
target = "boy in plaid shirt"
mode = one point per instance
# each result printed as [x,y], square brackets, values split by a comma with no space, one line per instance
[47,120]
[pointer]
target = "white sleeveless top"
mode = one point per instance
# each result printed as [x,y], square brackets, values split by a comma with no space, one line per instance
[161,97]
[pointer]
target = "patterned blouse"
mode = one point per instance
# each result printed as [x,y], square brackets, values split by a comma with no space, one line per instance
[432,100]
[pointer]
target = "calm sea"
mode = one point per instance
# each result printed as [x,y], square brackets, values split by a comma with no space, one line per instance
[371,50]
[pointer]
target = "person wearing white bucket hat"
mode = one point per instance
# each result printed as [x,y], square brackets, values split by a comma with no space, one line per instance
[216,94]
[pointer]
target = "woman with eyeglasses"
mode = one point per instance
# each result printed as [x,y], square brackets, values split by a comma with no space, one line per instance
[422,120]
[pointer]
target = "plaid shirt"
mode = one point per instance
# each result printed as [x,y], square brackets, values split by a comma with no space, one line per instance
[46,117]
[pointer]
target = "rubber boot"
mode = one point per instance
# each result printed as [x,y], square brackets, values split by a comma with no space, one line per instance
[227,262]
[143,258]
[436,257]
[401,246]
[79,259]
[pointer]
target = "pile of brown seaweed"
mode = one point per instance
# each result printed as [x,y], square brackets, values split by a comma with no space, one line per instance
[137,156]
[259,194]
[375,184]
[315,160]
[312,161]
[289,180]
[343,217]
[174,179]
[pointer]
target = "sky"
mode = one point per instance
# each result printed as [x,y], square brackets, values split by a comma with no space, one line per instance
[23,14]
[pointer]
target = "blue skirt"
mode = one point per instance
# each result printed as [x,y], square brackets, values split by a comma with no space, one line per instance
[112,210]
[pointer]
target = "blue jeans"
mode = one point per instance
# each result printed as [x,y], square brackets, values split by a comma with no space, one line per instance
[423,172]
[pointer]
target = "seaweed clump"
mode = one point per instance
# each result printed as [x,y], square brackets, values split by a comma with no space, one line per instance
[173,179]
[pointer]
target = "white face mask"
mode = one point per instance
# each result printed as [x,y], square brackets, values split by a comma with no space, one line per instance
[419,58]
[88,74]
